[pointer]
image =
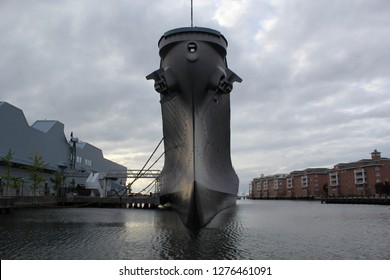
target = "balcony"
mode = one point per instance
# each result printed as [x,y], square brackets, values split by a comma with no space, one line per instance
[289,183]
[360,176]
[334,179]
[304,182]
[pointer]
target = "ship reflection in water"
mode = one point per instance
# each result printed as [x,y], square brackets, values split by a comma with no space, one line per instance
[218,240]
[249,230]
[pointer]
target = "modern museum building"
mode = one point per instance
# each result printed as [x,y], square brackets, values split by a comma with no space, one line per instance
[39,160]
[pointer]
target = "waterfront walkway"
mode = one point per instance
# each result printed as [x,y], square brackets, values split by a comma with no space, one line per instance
[6,204]
[335,200]
[356,200]
[136,201]
[141,201]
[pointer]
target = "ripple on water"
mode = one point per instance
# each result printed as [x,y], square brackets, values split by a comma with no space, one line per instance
[250,230]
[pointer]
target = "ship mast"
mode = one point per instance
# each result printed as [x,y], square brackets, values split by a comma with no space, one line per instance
[192,14]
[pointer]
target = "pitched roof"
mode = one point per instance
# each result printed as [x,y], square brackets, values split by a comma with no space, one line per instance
[43,125]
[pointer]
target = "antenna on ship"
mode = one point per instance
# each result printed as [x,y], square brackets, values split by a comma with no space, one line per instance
[192,14]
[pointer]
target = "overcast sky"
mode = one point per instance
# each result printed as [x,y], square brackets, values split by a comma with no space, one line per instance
[316,75]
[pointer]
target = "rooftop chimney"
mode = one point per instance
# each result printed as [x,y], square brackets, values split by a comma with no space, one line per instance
[375,155]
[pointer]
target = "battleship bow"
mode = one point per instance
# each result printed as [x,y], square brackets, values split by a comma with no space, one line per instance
[194,83]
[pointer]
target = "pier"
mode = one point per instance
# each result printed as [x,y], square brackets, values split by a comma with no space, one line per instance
[137,201]
[356,200]
[6,204]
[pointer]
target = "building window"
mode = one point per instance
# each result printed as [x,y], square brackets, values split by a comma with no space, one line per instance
[79,159]
[258,185]
[276,184]
[305,182]
[289,183]
[377,172]
[88,162]
[360,176]
[316,183]
[265,185]
[334,180]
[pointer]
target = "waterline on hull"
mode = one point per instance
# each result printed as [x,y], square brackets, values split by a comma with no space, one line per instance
[200,207]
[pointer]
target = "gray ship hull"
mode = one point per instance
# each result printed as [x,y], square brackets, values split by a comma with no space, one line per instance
[198,179]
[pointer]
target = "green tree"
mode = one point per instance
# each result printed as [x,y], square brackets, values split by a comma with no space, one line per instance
[58,180]
[325,189]
[8,178]
[36,170]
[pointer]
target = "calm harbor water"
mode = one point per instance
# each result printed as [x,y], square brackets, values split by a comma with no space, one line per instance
[292,230]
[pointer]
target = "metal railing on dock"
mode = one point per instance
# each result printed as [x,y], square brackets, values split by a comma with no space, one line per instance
[136,201]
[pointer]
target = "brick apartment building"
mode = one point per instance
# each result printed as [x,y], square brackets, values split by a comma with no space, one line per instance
[310,182]
[269,186]
[360,177]
[344,179]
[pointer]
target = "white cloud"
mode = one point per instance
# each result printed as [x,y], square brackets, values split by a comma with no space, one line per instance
[375,86]
[229,12]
